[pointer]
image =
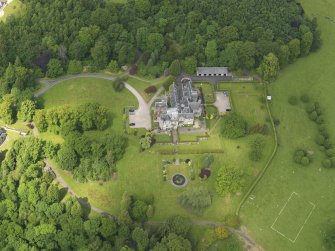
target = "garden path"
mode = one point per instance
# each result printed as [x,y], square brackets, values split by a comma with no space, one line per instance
[141,118]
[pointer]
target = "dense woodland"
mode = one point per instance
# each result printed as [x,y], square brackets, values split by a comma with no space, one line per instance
[35,215]
[56,36]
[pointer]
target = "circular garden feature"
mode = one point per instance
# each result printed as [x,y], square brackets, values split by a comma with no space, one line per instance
[179,180]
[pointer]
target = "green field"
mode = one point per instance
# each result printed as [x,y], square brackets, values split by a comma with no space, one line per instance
[313,75]
[207,91]
[11,9]
[140,173]
[83,90]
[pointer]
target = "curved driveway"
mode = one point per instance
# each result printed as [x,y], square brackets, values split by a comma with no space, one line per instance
[141,118]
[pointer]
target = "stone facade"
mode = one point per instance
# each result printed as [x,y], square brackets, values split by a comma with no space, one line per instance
[180,108]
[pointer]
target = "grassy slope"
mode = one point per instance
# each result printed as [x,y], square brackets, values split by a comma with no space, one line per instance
[313,75]
[83,90]
[11,9]
[141,173]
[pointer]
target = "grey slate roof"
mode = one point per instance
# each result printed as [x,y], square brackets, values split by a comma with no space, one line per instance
[213,70]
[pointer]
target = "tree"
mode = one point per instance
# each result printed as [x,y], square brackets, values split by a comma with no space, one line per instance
[8,109]
[233,126]
[146,141]
[269,67]
[155,41]
[228,34]
[118,85]
[113,66]
[75,67]
[306,43]
[55,68]
[173,242]
[189,65]
[329,239]
[229,180]
[67,158]
[143,7]
[211,52]
[138,211]
[100,53]
[27,110]
[197,199]
[125,205]
[141,237]
[175,68]
[284,55]
[176,224]
[294,46]
[221,233]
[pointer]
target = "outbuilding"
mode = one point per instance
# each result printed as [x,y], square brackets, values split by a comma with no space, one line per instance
[213,72]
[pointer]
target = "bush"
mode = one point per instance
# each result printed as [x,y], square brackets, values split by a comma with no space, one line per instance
[327,163]
[313,116]
[320,120]
[320,140]
[233,126]
[228,180]
[276,121]
[261,129]
[304,98]
[196,198]
[310,107]
[256,151]
[118,85]
[75,67]
[330,153]
[169,81]
[328,144]
[151,89]
[221,233]
[301,157]
[293,100]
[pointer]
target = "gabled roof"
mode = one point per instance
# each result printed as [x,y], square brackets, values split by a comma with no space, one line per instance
[213,70]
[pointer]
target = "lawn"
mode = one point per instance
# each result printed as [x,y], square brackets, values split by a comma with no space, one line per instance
[141,85]
[140,173]
[207,91]
[313,75]
[81,90]
[12,8]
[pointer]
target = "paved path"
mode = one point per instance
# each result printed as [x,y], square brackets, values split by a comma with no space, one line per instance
[141,118]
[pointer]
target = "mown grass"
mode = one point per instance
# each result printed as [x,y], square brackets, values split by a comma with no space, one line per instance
[82,90]
[11,9]
[140,173]
[207,91]
[313,75]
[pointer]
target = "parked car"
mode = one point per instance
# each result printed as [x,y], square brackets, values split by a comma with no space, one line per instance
[30,126]
[132,124]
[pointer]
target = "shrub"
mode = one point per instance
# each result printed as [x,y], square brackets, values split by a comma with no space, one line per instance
[327,163]
[233,126]
[301,157]
[75,67]
[320,120]
[118,85]
[205,172]
[329,239]
[328,144]
[313,116]
[310,107]
[151,89]
[304,98]
[305,161]
[196,198]
[293,100]
[276,121]
[320,140]
[330,153]
[228,180]
[257,146]
[261,129]
[221,233]
[169,81]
